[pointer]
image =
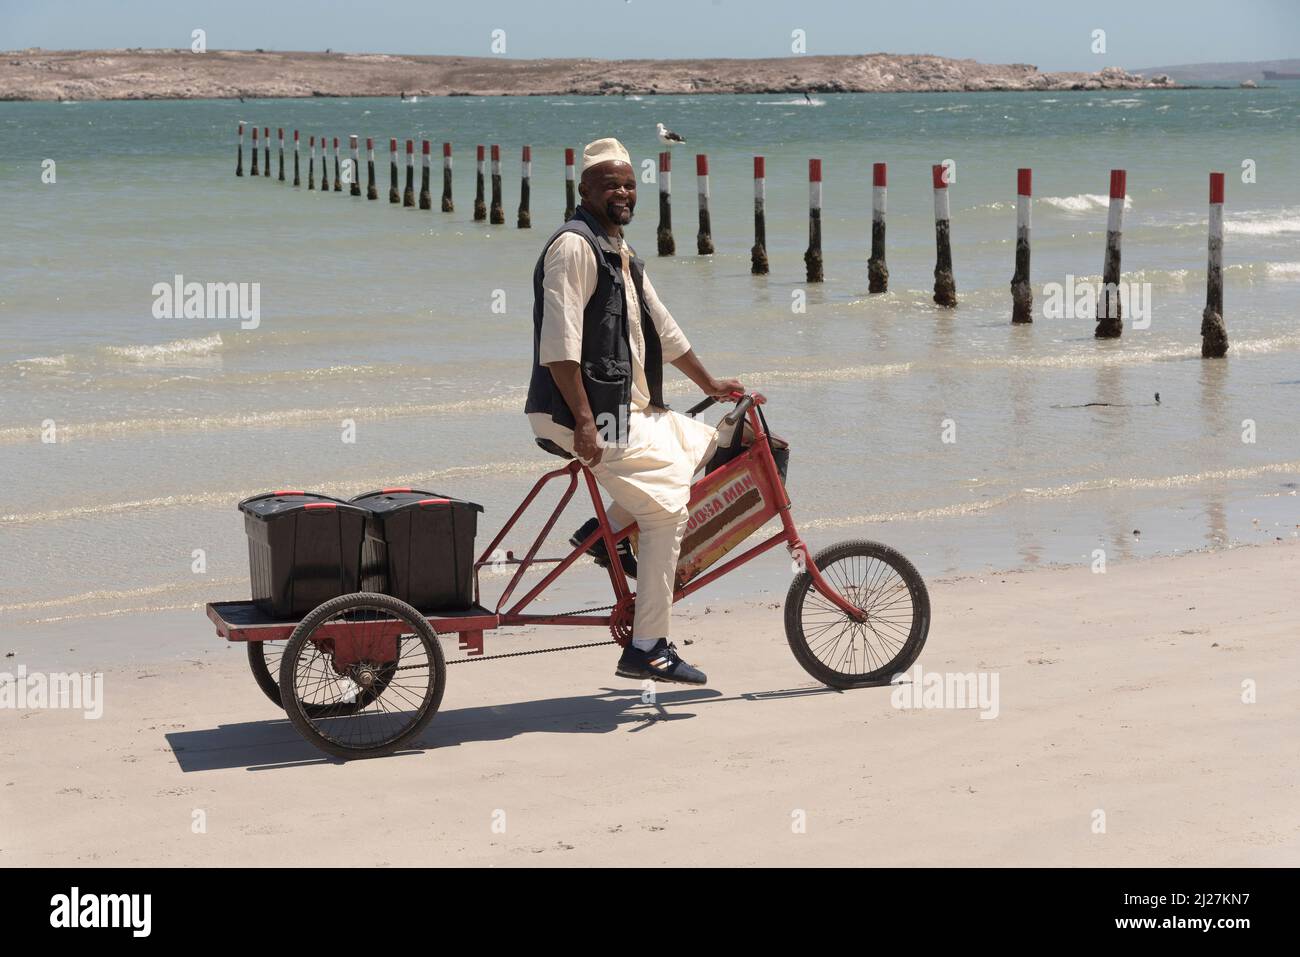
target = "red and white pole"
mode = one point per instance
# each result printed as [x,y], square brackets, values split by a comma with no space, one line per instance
[1214,334]
[525,219]
[447,205]
[311,162]
[570,201]
[372,188]
[394,196]
[877,270]
[480,204]
[266,146]
[667,245]
[239,157]
[279,131]
[1110,321]
[498,216]
[408,196]
[324,165]
[338,179]
[1022,294]
[426,198]
[758,255]
[297,177]
[354,184]
[812,258]
[945,287]
[704,238]
[253,171]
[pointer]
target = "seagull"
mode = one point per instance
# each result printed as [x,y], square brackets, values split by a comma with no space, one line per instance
[668,136]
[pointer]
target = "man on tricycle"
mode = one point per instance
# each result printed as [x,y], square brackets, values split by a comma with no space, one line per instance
[600,338]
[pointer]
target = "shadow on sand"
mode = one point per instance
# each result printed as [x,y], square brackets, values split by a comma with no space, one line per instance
[266,745]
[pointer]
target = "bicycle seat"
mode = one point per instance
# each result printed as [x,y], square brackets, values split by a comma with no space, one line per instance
[549,445]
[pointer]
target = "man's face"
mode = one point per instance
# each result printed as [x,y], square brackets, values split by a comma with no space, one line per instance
[609,191]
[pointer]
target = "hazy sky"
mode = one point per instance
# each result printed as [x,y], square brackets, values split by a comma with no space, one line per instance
[1053,34]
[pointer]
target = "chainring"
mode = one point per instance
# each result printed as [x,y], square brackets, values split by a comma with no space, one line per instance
[620,619]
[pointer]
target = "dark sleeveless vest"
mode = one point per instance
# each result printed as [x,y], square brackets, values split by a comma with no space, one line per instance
[606,350]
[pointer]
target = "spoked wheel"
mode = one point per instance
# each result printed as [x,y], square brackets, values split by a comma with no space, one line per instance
[841,652]
[264,662]
[361,675]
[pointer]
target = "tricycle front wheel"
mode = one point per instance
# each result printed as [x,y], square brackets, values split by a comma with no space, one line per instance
[843,653]
[368,706]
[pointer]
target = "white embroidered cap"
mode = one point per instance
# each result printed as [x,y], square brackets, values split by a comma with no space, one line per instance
[604,151]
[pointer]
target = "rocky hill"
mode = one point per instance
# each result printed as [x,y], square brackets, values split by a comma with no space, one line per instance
[179,74]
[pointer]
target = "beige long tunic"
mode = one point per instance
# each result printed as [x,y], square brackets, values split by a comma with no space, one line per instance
[664,447]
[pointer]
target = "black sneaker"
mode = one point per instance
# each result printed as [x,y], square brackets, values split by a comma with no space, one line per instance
[662,663]
[600,554]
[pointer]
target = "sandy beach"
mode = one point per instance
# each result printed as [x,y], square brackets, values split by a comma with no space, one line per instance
[1118,694]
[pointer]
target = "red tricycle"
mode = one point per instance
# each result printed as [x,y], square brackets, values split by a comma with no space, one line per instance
[362,674]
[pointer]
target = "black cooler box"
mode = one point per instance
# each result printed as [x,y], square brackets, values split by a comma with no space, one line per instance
[303,549]
[419,547]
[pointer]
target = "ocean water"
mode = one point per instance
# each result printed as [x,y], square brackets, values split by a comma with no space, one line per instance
[416,327]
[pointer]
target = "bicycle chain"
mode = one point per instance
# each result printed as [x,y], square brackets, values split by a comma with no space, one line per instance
[520,654]
[539,651]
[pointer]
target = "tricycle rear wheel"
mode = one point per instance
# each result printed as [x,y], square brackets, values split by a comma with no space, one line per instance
[264,662]
[840,652]
[368,708]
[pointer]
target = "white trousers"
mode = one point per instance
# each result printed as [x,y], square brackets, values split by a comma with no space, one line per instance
[659,528]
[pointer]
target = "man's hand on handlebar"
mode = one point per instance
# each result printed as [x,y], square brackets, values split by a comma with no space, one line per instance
[721,389]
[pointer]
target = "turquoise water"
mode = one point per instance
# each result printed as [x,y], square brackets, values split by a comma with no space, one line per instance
[385,317]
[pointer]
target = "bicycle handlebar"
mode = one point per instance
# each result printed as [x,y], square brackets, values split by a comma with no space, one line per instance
[737,397]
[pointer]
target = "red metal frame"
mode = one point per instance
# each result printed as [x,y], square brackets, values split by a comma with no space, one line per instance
[759,455]
[470,627]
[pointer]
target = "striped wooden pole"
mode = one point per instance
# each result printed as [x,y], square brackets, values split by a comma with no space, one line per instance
[877,269]
[311,163]
[1022,294]
[525,220]
[1214,334]
[266,146]
[667,246]
[394,196]
[324,165]
[239,157]
[945,287]
[480,207]
[1110,321]
[338,179]
[498,214]
[279,134]
[253,171]
[297,177]
[372,188]
[758,255]
[704,238]
[570,176]
[447,205]
[408,195]
[355,184]
[426,198]
[812,258]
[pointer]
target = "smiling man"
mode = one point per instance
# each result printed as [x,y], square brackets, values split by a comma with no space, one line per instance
[600,338]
